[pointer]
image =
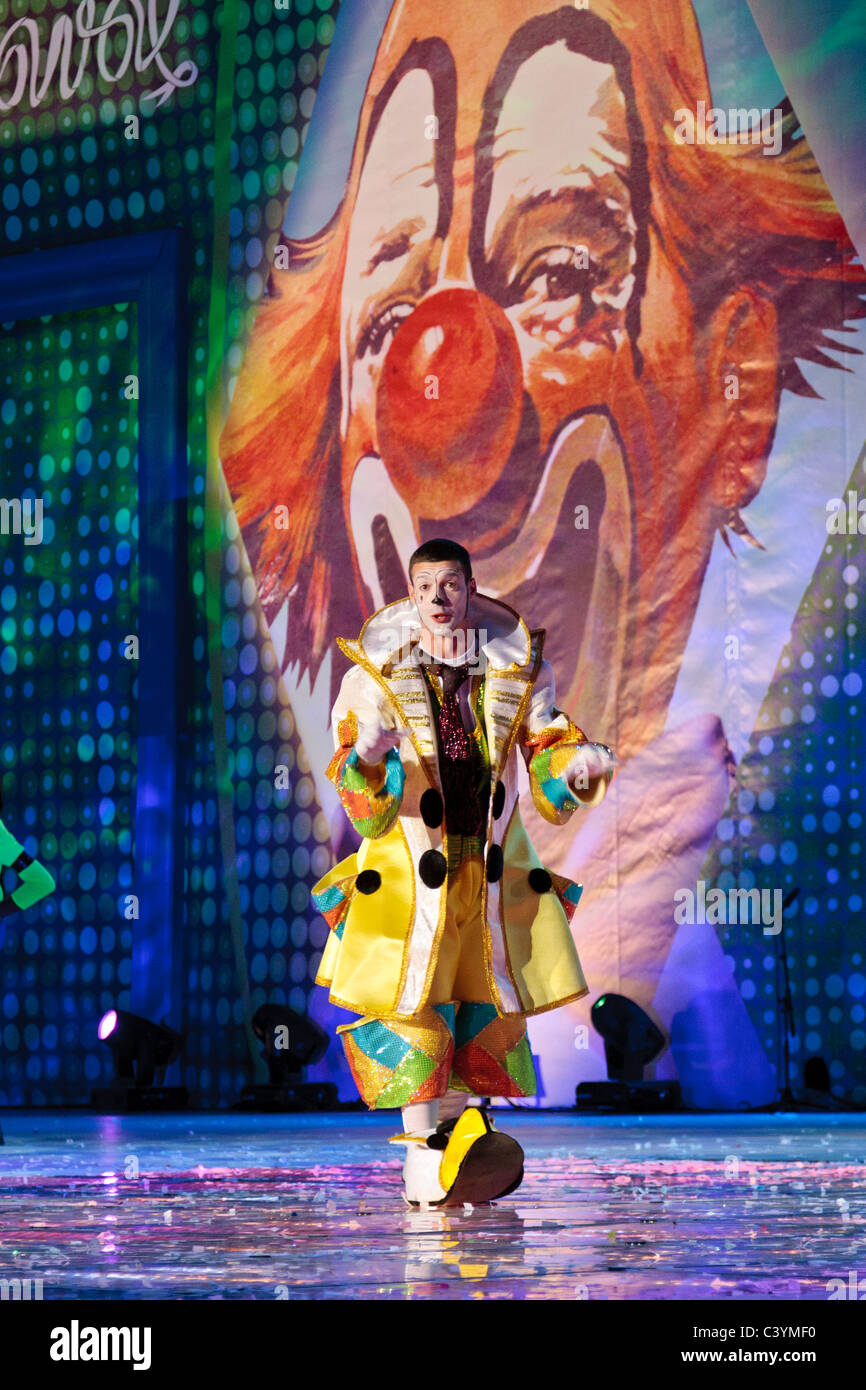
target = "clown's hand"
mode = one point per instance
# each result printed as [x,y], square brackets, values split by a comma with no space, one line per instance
[372,744]
[590,761]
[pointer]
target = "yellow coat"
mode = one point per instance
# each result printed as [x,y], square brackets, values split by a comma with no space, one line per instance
[386,904]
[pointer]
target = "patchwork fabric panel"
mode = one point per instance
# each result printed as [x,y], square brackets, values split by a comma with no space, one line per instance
[492,1056]
[371,806]
[333,903]
[399,1062]
[569,893]
[554,750]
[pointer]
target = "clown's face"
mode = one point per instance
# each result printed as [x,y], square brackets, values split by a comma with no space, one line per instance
[555,248]
[442,596]
[495,270]
[525,361]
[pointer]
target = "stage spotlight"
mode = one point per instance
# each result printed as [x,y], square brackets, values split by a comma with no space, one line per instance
[141,1050]
[816,1093]
[291,1042]
[816,1075]
[631,1041]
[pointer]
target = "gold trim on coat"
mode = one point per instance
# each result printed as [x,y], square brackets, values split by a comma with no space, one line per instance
[366,665]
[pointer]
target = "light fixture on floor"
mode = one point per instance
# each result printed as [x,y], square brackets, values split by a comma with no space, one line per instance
[631,1041]
[142,1050]
[291,1043]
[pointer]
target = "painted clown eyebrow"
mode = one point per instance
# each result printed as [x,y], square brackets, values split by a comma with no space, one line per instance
[392,244]
[590,36]
[611,215]
[433,57]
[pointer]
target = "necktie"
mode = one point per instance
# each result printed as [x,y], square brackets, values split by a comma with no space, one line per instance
[457,763]
[455,742]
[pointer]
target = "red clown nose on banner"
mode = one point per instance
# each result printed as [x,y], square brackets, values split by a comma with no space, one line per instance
[449,401]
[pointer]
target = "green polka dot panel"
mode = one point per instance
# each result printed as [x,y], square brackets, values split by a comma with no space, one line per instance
[68,600]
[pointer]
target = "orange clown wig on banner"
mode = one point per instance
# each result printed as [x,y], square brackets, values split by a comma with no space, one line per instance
[516,329]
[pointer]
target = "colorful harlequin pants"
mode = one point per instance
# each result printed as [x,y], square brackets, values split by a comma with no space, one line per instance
[458,1040]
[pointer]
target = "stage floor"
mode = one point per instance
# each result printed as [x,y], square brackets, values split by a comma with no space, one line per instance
[219,1205]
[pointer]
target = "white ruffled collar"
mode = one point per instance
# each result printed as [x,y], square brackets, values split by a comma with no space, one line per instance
[503,634]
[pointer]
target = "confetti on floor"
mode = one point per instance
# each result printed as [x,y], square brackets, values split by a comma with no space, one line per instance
[222,1205]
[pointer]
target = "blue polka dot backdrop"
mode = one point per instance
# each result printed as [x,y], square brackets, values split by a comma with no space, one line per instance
[796,821]
[75,170]
[68,595]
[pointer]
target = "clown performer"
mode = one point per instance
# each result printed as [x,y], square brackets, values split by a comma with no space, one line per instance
[446,932]
[34,880]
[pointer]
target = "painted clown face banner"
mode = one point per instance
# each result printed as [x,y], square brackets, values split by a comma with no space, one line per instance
[568,312]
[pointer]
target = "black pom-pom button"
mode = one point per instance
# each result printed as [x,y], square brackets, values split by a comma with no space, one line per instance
[540,880]
[431,808]
[433,868]
[368,881]
[494,864]
[498,801]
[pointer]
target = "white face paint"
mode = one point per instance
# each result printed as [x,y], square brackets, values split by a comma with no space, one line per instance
[441,596]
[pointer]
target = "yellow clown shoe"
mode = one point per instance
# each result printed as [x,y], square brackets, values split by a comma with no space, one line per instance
[462,1160]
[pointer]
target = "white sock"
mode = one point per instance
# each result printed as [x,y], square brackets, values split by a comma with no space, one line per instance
[420,1117]
[452,1104]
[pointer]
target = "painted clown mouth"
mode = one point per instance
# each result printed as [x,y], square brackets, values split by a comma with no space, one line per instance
[576,528]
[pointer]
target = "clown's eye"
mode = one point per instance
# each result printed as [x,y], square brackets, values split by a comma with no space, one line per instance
[379,331]
[559,272]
